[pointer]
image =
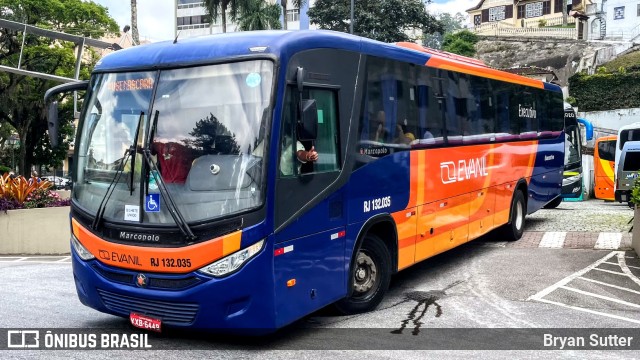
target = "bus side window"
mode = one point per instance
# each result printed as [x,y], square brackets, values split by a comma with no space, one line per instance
[326,144]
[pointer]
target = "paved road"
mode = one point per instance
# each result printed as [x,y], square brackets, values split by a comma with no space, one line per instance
[486,284]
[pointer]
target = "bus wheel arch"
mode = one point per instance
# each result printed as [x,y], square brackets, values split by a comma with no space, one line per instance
[373,262]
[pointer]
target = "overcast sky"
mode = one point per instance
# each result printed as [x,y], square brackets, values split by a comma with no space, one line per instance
[155,17]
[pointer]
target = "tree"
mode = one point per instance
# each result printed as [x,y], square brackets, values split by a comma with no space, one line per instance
[21,97]
[461,43]
[383,20]
[259,15]
[450,23]
[296,3]
[134,23]
[215,7]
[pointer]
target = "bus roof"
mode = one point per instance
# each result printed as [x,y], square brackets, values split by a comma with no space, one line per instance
[282,44]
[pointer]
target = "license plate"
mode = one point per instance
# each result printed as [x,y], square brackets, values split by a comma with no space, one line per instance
[145,322]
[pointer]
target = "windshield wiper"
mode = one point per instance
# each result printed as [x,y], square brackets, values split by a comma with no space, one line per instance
[129,153]
[173,209]
[116,178]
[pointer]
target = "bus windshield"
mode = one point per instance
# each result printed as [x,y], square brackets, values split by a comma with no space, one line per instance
[205,134]
[572,144]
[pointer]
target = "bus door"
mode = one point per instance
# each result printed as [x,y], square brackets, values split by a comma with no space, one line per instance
[604,164]
[310,204]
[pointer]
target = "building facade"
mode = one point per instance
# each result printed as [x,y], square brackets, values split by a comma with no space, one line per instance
[527,13]
[192,18]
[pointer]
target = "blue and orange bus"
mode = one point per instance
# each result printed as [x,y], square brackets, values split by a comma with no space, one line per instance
[191,207]
[604,164]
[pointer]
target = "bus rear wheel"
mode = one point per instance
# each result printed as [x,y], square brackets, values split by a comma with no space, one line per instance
[514,229]
[370,276]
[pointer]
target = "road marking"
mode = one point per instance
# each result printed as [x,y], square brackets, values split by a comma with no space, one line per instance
[600,296]
[611,272]
[64,259]
[553,239]
[629,266]
[21,259]
[609,285]
[626,271]
[589,311]
[608,241]
[571,277]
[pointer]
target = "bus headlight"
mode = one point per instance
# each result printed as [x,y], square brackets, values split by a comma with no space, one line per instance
[571,179]
[232,262]
[82,252]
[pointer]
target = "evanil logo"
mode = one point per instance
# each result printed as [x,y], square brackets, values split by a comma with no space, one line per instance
[451,172]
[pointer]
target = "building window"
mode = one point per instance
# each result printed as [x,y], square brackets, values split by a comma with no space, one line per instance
[638,9]
[477,19]
[293,15]
[546,7]
[497,13]
[187,4]
[557,6]
[520,11]
[533,10]
[618,13]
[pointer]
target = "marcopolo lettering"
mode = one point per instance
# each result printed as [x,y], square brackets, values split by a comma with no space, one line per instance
[139,237]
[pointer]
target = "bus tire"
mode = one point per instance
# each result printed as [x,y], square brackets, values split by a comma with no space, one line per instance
[369,277]
[554,204]
[513,230]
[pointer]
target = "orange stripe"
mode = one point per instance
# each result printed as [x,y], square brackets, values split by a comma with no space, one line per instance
[485,72]
[176,260]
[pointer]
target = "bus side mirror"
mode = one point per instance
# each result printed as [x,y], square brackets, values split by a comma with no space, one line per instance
[308,124]
[53,123]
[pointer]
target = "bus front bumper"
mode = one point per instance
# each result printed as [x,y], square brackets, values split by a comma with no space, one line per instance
[239,303]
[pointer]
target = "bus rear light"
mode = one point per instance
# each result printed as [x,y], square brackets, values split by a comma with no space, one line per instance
[232,262]
[291,283]
[82,252]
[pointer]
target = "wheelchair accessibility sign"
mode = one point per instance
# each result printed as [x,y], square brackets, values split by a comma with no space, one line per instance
[152,203]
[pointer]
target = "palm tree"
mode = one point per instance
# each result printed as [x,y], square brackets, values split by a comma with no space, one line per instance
[296,3]
[259,15]
[215,7]
[134,23]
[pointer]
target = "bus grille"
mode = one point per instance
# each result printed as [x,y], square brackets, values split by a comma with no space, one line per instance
[171,313]
[177,283]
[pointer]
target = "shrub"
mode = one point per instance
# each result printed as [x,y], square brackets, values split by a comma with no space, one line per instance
[18,192]
[9,204]
[4,169]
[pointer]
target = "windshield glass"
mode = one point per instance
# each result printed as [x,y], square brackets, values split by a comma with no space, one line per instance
[205,133]
[572,144]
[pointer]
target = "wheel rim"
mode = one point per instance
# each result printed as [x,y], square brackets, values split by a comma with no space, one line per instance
[519,215]
[365,274]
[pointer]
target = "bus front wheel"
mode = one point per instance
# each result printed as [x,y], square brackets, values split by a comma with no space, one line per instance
[514,229]
[369,277]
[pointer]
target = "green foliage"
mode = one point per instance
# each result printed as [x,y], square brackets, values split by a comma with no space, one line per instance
[21,97]
[383,20]
[602,91]
[630,62]
[571,100]
[542,23]
[635,192]
[461,43]
[449,23]
[259,15]
[4,169]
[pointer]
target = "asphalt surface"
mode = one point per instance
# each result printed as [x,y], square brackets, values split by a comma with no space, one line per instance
[487,285]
